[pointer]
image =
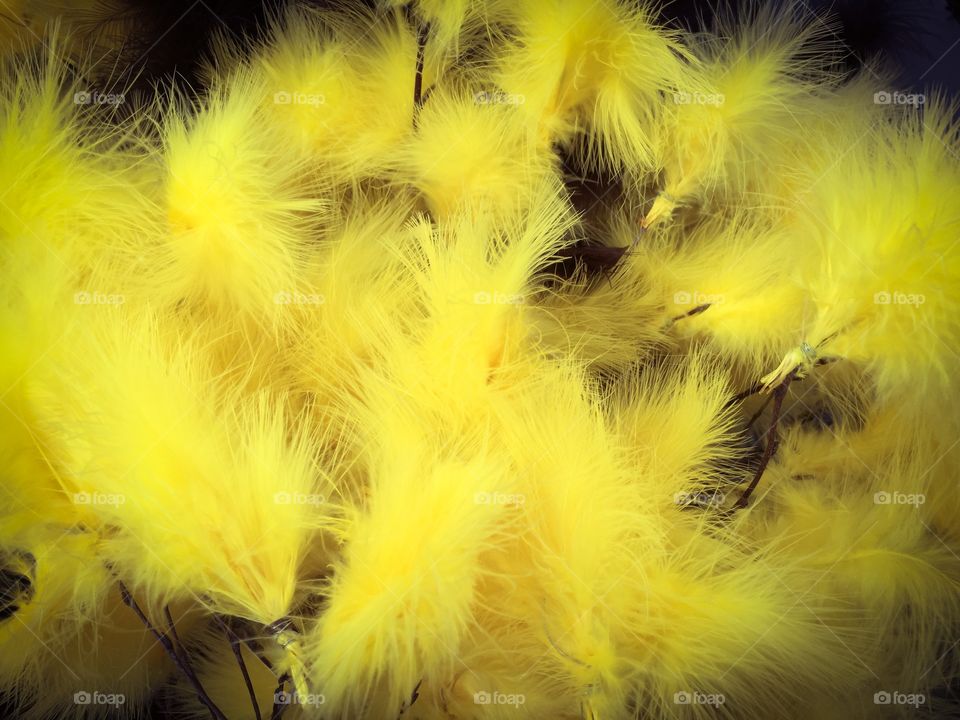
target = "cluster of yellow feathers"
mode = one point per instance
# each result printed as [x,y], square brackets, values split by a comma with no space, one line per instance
[297,408]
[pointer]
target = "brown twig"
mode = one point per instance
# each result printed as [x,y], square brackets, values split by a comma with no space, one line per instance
[763,406]
[279,708]
[778,395]
[413,698]
[235,646]
[758,386]
[422,32]
[181,651]
[182,662]
[690,313]
[743,395]
[257,649]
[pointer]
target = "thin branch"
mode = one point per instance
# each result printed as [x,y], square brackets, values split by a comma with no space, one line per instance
[758,386]
[181,651]
[741,396]
[413,698]
[180,662]
[696,311]
[235,646]
[763,406]
[418,78]
[772,439]
[422,32]
[257,649]
[279,708]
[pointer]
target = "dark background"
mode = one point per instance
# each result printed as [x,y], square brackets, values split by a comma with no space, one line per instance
[918,39]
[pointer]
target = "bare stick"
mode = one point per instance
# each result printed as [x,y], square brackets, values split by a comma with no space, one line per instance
[257,649]
[179,648]
[422,32]
[758,386]
[128,600]
[418,78]
[696,311]
[413,698]
[279,708]
[235,646]
[763,406]
[741,396]
[778,396]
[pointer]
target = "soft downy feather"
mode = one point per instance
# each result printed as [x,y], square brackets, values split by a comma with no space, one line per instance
[759,75]
[597,66]
[159,436]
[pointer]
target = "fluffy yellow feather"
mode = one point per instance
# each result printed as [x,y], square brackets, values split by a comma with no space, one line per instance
[591,66]
[423,356]
[238,205]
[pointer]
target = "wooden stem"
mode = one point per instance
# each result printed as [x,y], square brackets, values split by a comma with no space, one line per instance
[279,708]
[181,661]
[418,96]
[778,395]
[235,646]
[696,311]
